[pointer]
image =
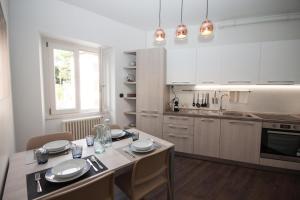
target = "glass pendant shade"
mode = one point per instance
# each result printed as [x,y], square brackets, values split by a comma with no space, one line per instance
[181,31]
[207,28]
[159,35]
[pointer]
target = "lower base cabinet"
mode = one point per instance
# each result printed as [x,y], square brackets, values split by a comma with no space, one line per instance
[207,137]
[183,143]
[240,140]
[150,123]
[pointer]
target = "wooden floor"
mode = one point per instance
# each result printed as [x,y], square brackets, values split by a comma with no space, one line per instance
[201,180]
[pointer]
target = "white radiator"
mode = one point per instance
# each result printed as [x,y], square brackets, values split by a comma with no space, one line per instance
[81,127]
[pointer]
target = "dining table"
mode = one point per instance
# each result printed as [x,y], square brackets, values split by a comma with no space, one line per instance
[115,158]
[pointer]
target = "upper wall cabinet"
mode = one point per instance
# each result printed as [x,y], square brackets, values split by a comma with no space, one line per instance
[280,62]
[240,63]
[181,66]
[208,65]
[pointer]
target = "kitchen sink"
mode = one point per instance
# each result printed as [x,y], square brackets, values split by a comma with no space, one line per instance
[237,114]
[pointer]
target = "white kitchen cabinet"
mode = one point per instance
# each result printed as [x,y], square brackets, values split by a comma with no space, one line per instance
[207,137]
[181,66]
[179,131]
[208,65]
[150,123]
[280,62]
[240,63]
[240,140]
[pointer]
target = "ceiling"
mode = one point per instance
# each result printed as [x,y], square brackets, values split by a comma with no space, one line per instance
[143,14]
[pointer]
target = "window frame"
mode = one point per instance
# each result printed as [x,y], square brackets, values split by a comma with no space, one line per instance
[48,45]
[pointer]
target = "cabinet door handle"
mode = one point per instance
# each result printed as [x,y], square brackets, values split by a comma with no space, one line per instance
[282,82]
[242,123]
[147,115]
[178,136]
[174,82]
[207,120]
[177,127]
[149,111]
[239,81]
[179,118]
[208,82]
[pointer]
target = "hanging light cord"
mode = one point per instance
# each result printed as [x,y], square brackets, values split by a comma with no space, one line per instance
[159,18]
[181,11]
[206,9]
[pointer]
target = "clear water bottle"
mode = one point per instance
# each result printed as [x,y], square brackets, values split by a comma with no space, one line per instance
[107,133]
[99,140]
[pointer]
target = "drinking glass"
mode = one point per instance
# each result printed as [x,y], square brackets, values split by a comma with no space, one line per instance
[76,151]
[89,140]
[135,135]
[98,146]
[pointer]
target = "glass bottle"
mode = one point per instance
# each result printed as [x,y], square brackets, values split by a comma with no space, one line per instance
[107,133]
[99,140]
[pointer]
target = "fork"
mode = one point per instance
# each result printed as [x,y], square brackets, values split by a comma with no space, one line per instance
[37,178]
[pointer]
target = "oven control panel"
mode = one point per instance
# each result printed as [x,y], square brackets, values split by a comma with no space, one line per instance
[282,126]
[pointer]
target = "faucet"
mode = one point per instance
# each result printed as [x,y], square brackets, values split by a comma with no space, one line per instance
[221,101]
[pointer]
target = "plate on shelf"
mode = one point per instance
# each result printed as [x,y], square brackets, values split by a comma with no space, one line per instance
[117,133]
[49,176]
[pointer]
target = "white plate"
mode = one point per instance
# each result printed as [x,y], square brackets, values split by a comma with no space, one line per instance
[61,150]
[68,168]
[116,133]
[57,145]
[54,179]
[132,148]
[143,145]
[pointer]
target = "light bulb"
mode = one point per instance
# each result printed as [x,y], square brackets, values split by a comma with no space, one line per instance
[181,32]
[159,35]
[207,28]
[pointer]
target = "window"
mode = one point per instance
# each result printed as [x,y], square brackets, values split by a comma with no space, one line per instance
[72,78]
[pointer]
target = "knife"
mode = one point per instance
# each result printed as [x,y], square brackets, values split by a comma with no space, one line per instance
[96,170]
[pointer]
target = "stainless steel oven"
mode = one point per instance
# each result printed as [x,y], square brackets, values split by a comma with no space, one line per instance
[280,141]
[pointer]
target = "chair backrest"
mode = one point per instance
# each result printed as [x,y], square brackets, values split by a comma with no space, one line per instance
[112,126]
[99,188]
[39,141]
[149,168]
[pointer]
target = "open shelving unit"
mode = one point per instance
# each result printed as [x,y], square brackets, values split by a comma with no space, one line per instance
[130,87]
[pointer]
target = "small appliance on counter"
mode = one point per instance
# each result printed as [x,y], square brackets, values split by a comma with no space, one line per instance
[175,106]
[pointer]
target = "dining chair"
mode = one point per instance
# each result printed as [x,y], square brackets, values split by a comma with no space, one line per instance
[36,142]
[112,126]
[147,174]
[98,188]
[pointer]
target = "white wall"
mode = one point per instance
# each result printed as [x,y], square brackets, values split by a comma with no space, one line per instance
[283,100]
[7,146]
[52,17]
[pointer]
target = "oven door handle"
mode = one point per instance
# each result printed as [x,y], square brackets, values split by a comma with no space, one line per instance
[284,133]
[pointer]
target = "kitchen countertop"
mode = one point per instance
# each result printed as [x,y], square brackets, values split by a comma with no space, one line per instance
[234,115]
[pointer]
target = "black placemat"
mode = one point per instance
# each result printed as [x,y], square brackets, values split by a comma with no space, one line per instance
[50,187]
[127,135]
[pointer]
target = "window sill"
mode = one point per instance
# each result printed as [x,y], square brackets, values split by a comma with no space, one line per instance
[72,115]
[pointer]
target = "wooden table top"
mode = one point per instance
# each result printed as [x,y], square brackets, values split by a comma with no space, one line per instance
[20,165]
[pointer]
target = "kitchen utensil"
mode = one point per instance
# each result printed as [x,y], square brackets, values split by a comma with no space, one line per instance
[194,104]
[202,101]
[207,102]
[68,168]
[198,101]
[96,170]
[216,98]
[37,178]
[129,153]
[96,161]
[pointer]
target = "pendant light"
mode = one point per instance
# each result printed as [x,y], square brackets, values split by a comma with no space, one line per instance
[159,34]
[181,30]
[207,27]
